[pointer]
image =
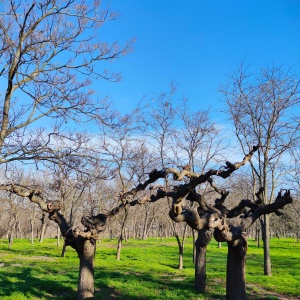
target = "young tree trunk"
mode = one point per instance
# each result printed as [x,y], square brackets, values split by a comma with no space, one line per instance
[10,232]
[180,251]
[58,237]
[266,240]
[194,245]
[145,226]
[86,254]
[119,246]
[11,236]
[43,228]
[236,268]
[258,238]
[203,239]
[32,233]
[63,251]
[120,240]
[150,226]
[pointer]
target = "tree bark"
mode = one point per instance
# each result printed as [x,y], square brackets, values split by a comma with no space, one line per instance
[11,236]
[194,243]
[58,237]
[236,270]
[203,239]
[180,251]
[120,240]
[32,233]
[145,226]
[266,240]
[86,254]
[43,228]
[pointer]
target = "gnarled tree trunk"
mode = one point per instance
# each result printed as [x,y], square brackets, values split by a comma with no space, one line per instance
[236,270]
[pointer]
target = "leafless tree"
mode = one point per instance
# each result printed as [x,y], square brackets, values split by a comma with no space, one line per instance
[226,225]
[197,143]
[262,107]
[198,139]
[50,55]
[158,123]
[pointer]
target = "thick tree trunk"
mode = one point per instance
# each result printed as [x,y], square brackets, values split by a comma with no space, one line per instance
[203,239]
[266,240]
[86,254]
[236,268]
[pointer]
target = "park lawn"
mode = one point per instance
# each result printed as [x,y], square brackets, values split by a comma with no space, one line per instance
[147,270]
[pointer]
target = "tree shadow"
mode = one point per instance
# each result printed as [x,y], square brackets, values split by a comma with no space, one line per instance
[21,282]
[164,286]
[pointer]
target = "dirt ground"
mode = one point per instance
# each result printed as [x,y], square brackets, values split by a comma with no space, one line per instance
[258,292]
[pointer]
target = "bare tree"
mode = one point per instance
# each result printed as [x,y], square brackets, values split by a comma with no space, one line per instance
[118,147]
[215,220]
[50,55]
[198,140]
[262,108]
[157,119]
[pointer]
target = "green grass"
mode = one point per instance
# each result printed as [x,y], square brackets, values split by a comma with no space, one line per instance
[147,270]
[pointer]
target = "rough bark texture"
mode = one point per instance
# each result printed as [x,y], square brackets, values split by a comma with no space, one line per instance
[86,254]
[203,239]
[236,270]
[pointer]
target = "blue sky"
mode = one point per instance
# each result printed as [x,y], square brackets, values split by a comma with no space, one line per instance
[196,43]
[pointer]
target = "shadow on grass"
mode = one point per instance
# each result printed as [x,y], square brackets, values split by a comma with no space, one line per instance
[20,283]
[166,287]
[108,286]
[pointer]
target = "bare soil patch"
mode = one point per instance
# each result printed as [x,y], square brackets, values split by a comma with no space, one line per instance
[258,292]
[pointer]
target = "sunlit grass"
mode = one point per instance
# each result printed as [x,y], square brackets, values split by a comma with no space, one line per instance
[147,270]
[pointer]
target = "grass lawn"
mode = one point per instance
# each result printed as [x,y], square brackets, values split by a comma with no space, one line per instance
[147,270]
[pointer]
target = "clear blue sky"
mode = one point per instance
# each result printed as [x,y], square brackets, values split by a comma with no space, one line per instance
[196,43]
